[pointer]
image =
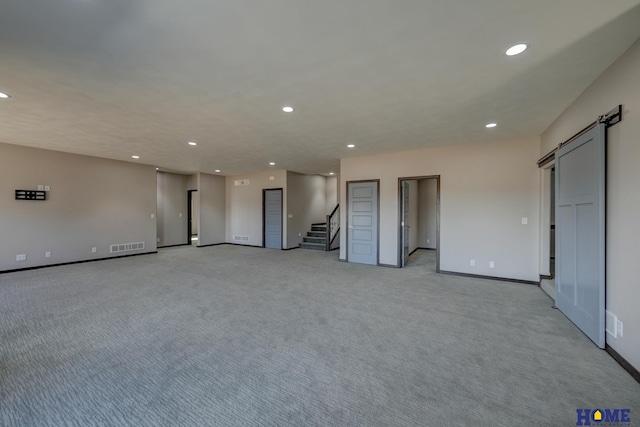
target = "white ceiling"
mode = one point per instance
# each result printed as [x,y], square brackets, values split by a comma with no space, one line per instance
[112,78]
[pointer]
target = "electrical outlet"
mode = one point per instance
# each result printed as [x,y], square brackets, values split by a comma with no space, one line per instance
[472,263]
[21,257]
[94,250]
[619,328]
[180,215]
[428,241]
[47,254]
[158,240]
[153,215]
[492,264]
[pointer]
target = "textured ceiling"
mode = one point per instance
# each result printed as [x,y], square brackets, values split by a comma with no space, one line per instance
[112,78]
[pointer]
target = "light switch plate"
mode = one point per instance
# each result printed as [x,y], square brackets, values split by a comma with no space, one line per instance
[525,220]
[47,188]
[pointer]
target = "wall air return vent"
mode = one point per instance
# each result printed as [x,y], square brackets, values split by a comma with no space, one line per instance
[127,247]
[241,238]
[241,182]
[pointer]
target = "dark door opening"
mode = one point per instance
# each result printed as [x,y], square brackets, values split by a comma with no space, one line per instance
[192,226]
[419,218]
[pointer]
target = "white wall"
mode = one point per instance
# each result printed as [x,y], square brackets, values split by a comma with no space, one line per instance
[93,202]
[172,209]
[427,225]
[485,191]
[212,209]
[306,204]
[618,85]
[244,205]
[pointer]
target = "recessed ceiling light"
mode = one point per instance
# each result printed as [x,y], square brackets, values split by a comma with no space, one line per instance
[516,49]
[491,125]
[351,146]
[217,171]
[135,157]
[287,109]
[331,173]
[272,164]
[4,95]
[193,143]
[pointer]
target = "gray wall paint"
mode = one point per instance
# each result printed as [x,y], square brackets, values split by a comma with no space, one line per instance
[172,209]
[192,184]
[481,205]
[617,85]
[332,193]
[212,209]
[244,205]
[306,203]
[427,194]
[93,202]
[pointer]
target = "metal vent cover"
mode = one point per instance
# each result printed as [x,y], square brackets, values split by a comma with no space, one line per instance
[126,247]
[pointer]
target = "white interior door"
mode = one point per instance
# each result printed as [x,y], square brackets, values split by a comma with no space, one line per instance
[580,232]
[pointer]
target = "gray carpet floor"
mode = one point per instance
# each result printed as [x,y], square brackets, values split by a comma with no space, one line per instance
[237,336]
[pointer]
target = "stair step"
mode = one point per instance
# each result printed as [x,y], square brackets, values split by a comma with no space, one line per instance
[316,234]
[315,246]
[319,228]
[314,240]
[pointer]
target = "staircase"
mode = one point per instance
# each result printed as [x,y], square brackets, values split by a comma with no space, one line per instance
[316,238]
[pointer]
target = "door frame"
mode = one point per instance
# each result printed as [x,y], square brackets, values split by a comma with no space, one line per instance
[264,222]
[377,181]
[546,203]
[190,215]
[411,178]
[405,196]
